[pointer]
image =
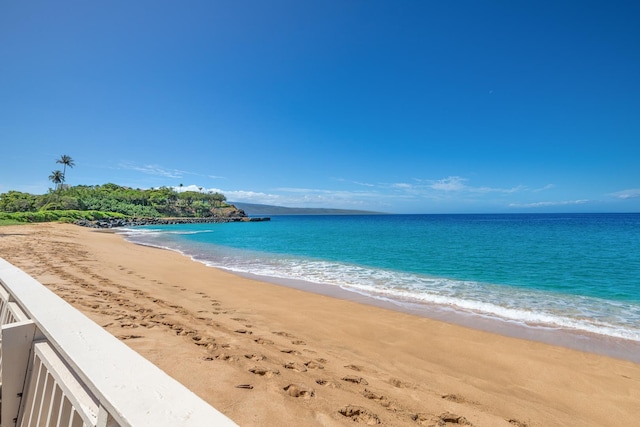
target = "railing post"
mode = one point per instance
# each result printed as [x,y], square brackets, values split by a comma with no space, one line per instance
[105,419]
[5,299]
[17,340]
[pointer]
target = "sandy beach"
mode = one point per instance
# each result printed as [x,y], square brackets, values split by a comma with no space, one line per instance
[269,355]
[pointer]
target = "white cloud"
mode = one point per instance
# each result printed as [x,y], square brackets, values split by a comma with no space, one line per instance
[191,187]
[457,184]
[363,184]
[162,171]
[309,197]
[403,186]
[154,170]
[546,187]
[498,190]
[451,183]
[545,204]
[252,197]
[627,194]
[449,190]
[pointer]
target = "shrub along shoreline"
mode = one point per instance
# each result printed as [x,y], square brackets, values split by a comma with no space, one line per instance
[112,205]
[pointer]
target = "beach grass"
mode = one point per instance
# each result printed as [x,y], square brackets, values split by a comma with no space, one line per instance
[4,222]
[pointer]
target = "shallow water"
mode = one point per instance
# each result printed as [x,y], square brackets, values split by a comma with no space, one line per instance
[574,272]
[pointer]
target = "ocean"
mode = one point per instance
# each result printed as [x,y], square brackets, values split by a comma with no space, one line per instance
[562,278]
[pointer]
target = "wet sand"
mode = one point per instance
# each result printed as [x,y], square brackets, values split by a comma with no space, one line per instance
[270,355]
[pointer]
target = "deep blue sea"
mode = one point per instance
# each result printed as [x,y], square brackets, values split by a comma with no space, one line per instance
[577,272]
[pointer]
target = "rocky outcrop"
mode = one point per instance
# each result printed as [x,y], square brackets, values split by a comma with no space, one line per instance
[132,222]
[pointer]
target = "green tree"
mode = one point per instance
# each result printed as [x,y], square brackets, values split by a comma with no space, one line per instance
[65,161]
[57,177]
[15,201]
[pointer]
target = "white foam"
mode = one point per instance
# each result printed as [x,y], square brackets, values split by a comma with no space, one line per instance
[151,231]
[510,304]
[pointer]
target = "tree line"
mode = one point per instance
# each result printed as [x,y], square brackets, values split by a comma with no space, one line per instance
[103,200]
[157,202]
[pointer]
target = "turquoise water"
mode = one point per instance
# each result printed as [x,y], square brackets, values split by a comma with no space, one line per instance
[578,272]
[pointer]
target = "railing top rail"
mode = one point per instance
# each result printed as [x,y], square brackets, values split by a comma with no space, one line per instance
[132,389]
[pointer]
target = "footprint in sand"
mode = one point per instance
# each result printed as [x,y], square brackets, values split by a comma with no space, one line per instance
[299,390]
[449,418]
[455,398]
[380,399]
[327,383]
[129,337]
[313,365]
[264,372]
[398,383]
[255,357]
[424,419]
[128,325]
[355,379]
[360,415]
[226,357]
[294,366]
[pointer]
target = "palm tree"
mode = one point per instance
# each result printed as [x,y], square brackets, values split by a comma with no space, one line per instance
[57,177]
[66,161]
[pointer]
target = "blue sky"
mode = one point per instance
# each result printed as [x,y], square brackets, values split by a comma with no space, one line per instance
[394,106]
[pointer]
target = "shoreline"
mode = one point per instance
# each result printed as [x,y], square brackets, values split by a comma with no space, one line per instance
[621,348]
[267,354]
[571,339]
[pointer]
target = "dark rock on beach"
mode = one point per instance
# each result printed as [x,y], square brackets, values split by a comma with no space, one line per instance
[132,222]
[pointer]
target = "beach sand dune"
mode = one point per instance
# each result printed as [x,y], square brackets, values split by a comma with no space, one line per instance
[268,355]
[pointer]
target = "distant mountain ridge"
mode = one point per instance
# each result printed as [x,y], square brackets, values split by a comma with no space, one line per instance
[257,209]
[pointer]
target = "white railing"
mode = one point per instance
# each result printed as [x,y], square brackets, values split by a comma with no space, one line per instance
[59,368]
